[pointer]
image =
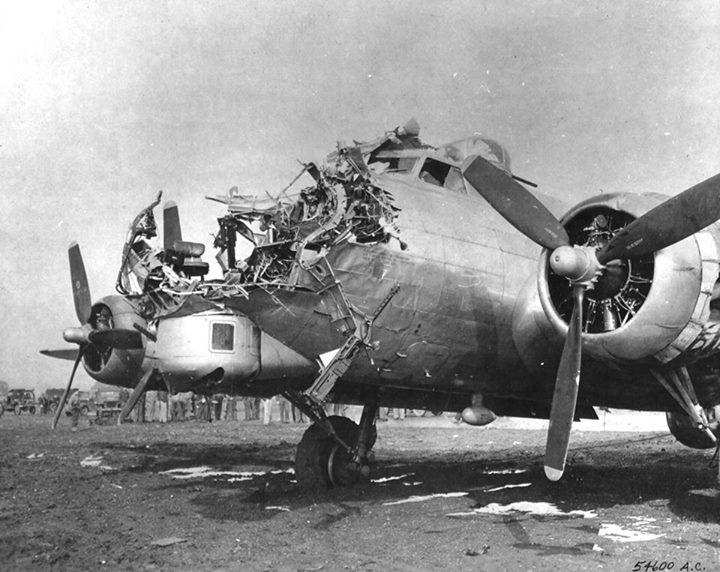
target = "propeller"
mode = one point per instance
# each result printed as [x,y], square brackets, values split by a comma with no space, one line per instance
[171,225]
[567,383]
[80,287]
[70,355]
[89,333]
[515,203]
[673,220]
[668,223]
[68,387]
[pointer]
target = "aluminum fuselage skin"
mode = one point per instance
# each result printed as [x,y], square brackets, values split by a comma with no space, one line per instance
[464,277]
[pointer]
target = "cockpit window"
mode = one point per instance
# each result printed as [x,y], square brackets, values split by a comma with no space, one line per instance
[443,175]
[391,164]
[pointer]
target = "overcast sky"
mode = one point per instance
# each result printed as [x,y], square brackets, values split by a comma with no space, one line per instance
[102,104]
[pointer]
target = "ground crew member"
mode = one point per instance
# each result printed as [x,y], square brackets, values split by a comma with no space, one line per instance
[75,409]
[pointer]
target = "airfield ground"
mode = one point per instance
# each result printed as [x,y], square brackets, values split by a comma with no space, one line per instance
[221,496]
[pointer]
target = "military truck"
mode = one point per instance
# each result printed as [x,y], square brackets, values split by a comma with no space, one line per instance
[84,399]
[108,404]
[20,401]
[52,398]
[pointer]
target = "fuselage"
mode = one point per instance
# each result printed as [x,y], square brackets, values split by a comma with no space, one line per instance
[466,319]
[394,245]
[449,327]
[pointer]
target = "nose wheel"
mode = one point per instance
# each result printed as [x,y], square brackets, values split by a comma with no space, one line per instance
[320,461]
[325,460]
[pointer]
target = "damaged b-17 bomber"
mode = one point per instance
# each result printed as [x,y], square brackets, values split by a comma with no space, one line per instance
[394,277]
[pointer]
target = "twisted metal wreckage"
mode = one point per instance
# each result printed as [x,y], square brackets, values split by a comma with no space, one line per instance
[279,242]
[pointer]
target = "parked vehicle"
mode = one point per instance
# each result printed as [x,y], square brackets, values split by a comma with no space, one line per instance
[110,399]
[52,399]
[20,401]
[108,404]
[85,402]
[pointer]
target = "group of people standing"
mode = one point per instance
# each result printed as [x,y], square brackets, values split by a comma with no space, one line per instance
[159,406]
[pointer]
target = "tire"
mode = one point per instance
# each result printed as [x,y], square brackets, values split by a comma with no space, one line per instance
[685,431]
[18,411]
[32,410]
[317,449]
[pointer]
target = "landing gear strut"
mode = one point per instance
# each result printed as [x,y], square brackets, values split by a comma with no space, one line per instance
[678,384]
[334,450]
[694,426]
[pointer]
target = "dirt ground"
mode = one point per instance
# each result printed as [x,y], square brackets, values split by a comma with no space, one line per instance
[222,496]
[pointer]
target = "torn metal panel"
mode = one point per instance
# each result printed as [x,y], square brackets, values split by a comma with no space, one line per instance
[158,281]
[344,205]
[335,229]
[135,248]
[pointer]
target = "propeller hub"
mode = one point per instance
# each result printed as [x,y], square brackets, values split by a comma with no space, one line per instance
[568,262]
[576,263]
[75,335]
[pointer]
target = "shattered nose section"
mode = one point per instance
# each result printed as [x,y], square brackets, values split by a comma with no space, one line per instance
[260,242]
[266,240]
[277,252]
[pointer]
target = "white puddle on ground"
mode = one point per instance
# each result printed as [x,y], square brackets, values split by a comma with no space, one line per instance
[641,530]
[95,461]
[518,486]
[280,508]
[526,507]
[388,479]
[423,498]
[206,472]
[250,475]
[618,534]
[505,472]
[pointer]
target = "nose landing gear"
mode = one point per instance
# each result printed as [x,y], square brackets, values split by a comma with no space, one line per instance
[334,450]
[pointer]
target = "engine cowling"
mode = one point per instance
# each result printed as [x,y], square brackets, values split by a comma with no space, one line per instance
[649,309]
[112,365]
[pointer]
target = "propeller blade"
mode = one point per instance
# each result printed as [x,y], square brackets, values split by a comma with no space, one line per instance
[135,396]
[66,393]
[567,382]
[171,225]
[61,354]
[117,338]
[79,282]
[675,219]
[515,203]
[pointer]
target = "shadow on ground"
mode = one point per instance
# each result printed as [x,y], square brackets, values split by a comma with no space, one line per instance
[605,475]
